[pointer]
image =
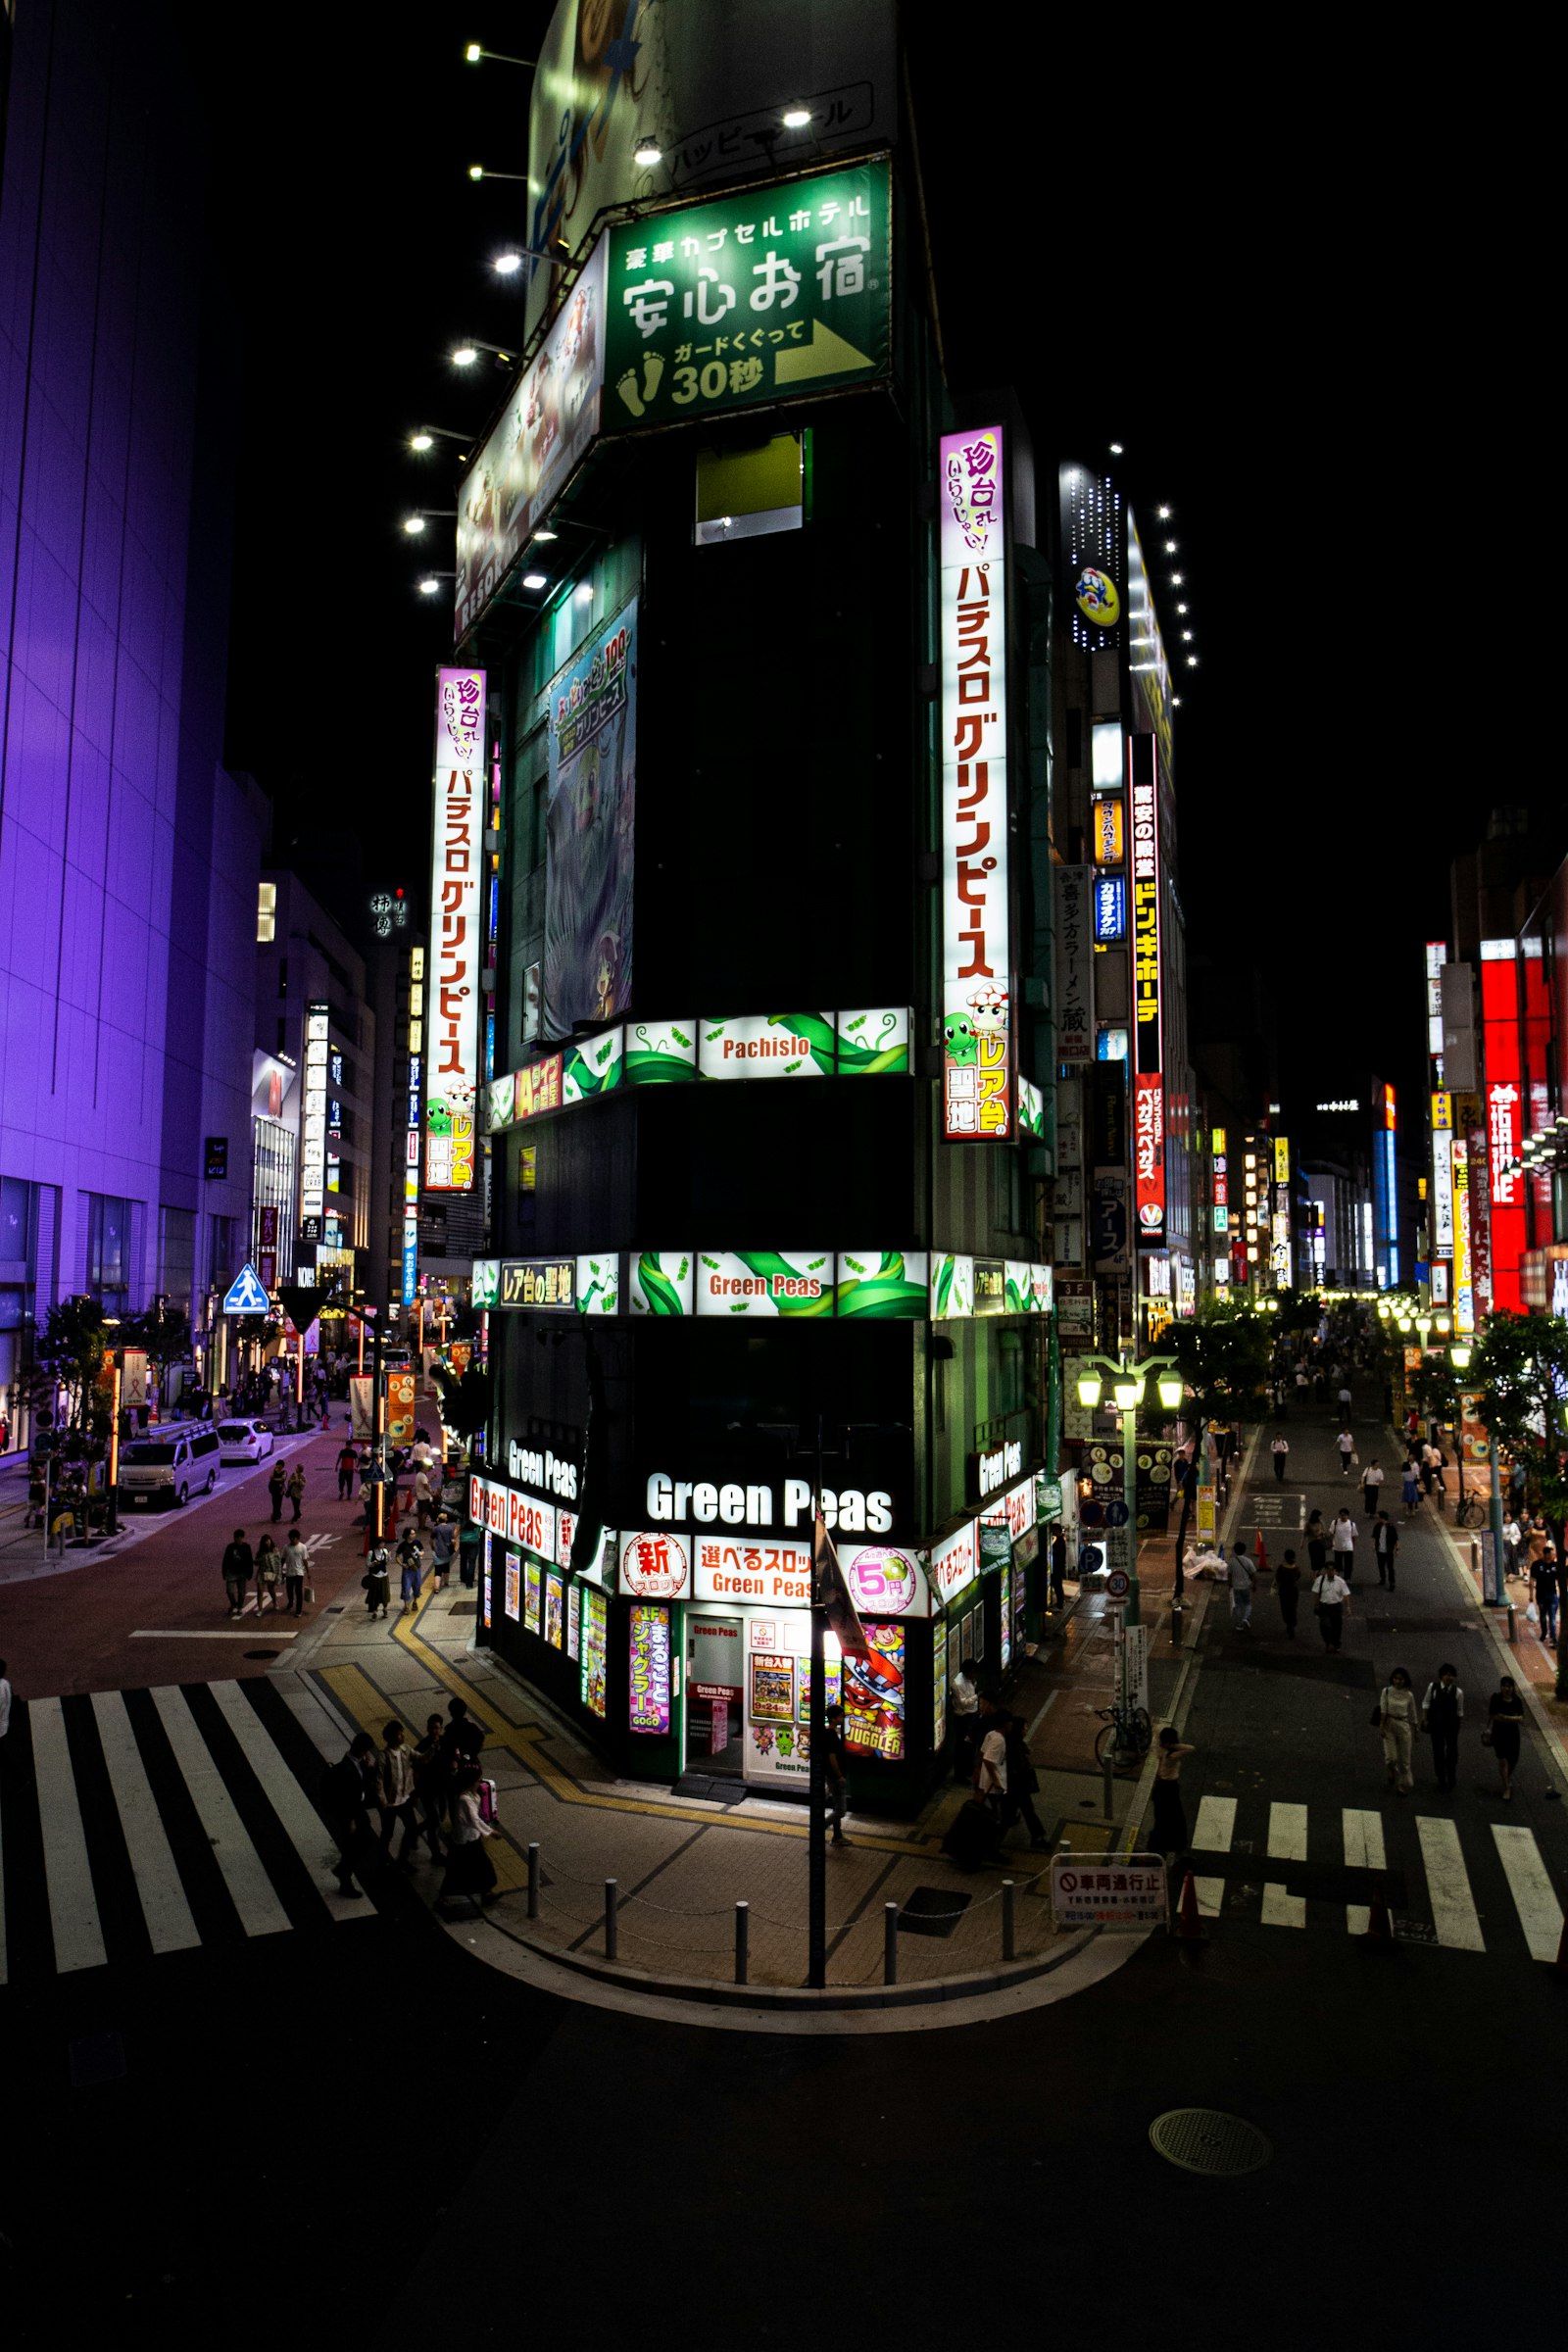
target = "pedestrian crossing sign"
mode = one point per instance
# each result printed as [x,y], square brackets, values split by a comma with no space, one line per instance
[245,1295]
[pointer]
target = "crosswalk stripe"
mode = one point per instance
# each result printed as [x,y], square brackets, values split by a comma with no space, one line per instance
[72,1904]
[1287,1843]
[157,1887]
[1216,1827]
[289,1800]
[1454,1911]
[1534,1896]
[244,1874]
[1363,1850]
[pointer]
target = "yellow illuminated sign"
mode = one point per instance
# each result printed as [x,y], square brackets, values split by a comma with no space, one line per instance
[1110,832]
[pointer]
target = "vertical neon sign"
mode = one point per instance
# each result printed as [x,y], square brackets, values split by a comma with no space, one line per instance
[457,936]
[1500,1012]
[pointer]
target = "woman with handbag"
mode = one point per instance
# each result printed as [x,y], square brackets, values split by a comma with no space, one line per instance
[470,1870]
[1506,1715]
[269,1572]
[1397,1716]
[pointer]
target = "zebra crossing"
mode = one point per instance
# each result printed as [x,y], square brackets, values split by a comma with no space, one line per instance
[1469,1884]
[148,1821]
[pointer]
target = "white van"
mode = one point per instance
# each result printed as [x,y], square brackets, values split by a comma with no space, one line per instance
[167,1470]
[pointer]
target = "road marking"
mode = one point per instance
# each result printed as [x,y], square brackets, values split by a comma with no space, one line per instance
[1050,1700]
[1216,1827]
[1287,1843]
[1363,1850]
[1534,1896]
[225,1633]
[158,1889]
[72,1904]
[259,1911]
[1453,1912]
[289,1800]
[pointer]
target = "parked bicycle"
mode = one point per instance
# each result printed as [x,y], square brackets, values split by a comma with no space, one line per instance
[1125,1736]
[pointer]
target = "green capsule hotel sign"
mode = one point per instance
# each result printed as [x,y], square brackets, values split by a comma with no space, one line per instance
[760,295]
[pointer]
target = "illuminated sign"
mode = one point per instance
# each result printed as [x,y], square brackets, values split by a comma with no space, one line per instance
[856,1510]
[1106,817]
[548,1283]
[953,1564]
[1282,1160]
[1464,1293]
[1031,1107]
[456,933]
[763,1283]
[649,1684]
[1351,1104]
[313,1116]
[777,1045]
[1072,957]
[976,995]
[412,1114]
[1441,1178]
[1148,1152]
[1111,909]
[1499,1011]
[1146,903]
[1111,1043]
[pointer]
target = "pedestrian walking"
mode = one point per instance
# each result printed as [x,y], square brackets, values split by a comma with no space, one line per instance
[1058,1568]
[237,1566]
[964,1697]
[1169,1836]
[268,1575]
[348,1462]
[468,1542]
[1545,1587]
[296,1487]
[1428,1464]
[990,1764]
[1279,1448]
[1384,1543]
[1342,1542]
[1331,1597]
[1396,1717]
[374,1581]
[430,1782]
[1346,1446]
[1344,1399]
[9,1770]
[1317,1543]
[835,1771]
[1411,1486]
[443,1536]
[411,1560]
[274,1486]
[1505,1715]
[1372,1477]
[424,1501]
[470,1870]
[394,1792]
[1242,1582]
[1513,1537]
[1022,1782]
[463,1736]
[1516,1488]
[349,1789]
[1441,1714]
[296,1568]
[1287,1591]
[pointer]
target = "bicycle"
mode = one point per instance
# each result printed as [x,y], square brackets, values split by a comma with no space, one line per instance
[1125,1736]
[1469,1510]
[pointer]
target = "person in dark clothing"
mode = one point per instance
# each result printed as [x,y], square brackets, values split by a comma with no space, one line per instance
[1506,1721]
[1317,1543]
[1168,1837]
[431,1781]
[347,1792]
[1441,1714]
[1546,1588]
[835,1766]
[1058,1569]
[274,1486]
[1287,1591]
[348,1462]
[1022,1782]
[1384,1543]
[239,1562]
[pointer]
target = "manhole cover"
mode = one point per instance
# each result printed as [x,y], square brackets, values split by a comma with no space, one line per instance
[1203,2141]
[261,1653]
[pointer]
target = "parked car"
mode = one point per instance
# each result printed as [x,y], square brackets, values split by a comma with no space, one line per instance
[165,1470]
[244,1441]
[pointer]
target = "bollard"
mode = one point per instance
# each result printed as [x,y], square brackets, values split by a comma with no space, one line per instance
[1177,1609]
[1007,1919]
[890,1943]
[533,1881]
[611,1895]
[1513,1632]
[743,1941]
[1110,1810]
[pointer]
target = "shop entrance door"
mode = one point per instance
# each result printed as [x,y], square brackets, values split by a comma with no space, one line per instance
[715,1655]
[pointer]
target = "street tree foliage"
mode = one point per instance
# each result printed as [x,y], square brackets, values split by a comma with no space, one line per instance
[1223,1354]
[1520,1375]
[70,1352]
[163,1334]
[1297,1310]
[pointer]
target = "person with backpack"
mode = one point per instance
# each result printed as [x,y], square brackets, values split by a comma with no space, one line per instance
[1022,1782]
[1442,1715]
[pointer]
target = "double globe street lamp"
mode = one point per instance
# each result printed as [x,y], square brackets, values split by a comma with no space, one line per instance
[1127,1394]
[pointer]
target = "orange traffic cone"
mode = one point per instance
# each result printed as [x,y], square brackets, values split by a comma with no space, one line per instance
[1379,1926]
[1190,1928]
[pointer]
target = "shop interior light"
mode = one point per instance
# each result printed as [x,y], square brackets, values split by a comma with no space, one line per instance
[534,579]
[1089,1385]
[1170,1390]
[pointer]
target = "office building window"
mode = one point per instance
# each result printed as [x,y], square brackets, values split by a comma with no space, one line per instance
[109,1252]
[176,1255]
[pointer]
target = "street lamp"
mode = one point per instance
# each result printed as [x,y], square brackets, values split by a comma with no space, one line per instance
[465,354]
[425,436]
[1127,1383]
[414,524]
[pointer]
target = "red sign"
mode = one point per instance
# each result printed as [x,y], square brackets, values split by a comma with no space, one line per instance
[1499,1011]
[1148,1152]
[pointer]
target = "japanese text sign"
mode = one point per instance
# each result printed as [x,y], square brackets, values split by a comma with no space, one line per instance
[457,932]
[1100,1892]
[1072,952]
[649,1668]
[1148,1154]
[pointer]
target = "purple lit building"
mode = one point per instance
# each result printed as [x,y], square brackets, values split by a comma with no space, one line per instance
[129,858]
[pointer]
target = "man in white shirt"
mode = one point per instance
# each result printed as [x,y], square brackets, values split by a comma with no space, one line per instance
[1279,1448]
[964,1694]
[991,1770]
[1331,1596]
[1371,1482]
[1344,1544]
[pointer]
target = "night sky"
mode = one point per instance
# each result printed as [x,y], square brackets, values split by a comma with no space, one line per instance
[1110,237]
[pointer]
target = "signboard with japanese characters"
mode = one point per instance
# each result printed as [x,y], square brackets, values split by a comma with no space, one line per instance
[1072,957]
[1099,1892]
[771,293]
[456,933]
[1148,1154]
[649,1662]
[976,995]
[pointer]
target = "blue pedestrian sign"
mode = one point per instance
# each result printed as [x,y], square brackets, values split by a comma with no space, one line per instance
[246,1296]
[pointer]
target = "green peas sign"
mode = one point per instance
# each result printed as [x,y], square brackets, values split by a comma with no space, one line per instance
[767,294]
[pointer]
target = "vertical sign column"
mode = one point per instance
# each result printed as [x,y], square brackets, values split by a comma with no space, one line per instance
[1499,1013]
[457,936]
[1149,1086]
[313,1122]
[976,982]
[412,1125]
[1442,1217]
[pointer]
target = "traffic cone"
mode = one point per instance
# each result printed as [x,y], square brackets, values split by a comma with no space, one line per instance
[1190,1928]
[1379,1926]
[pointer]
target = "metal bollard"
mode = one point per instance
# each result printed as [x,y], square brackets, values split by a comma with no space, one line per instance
[1178,1610]
[533,1881]
[890,1943]
[1109,1805]
[611,1897]
[743,1941]
[1513,1634]
[1007,1952]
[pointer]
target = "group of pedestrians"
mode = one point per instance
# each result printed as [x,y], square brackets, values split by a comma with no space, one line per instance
[434,1793]
[1397,1717]
[269,1569]
[991,1751]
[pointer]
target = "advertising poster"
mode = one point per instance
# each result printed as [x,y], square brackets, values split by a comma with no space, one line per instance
[1007,1612]
[760,1281]
[649,1668]
[803,1692]
[530,1595]
[1091,540]
[874,1694]
[771,1045]
[595,1626]
[589,815]
[976,999]
[887,1285]
[400,1408]
[514,1576]
[555,1613]
[772,1687]
[939,1685]
[487,1586]
[1146,906]
[456,933]
[574,1622]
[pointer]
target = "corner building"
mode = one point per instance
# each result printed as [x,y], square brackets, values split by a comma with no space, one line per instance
[770,1078]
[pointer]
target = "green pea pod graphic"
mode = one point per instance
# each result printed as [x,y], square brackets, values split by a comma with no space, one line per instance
[945,1271]
[660,1292]
[769,1264]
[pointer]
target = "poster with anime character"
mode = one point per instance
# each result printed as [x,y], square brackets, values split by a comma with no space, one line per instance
[874,1694]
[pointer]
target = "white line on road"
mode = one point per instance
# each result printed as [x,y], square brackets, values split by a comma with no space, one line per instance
[1453,1912]
[1216,1827]
[216,1633]
[259,1911]
[1534,1896]
[163,1898]
[72,1904]
[1363,1850]
[286,1797]
[1287,1843]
